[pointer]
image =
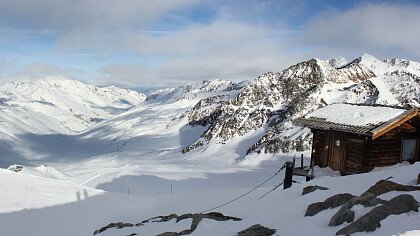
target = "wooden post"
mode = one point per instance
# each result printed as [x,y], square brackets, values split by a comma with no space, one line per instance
[288,175]
[301,160]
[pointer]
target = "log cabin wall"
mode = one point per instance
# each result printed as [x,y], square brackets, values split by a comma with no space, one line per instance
[384,151]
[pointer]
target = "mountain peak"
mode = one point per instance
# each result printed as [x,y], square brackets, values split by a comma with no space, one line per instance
[337,61]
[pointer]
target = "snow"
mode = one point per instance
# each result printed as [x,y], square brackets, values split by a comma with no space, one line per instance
[357,115]
[34,205]
[92,156]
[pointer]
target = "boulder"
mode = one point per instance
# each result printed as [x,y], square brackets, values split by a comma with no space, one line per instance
[345,214]
[331,202]
[385,186]
[257,230]
[371,221]
[312,188]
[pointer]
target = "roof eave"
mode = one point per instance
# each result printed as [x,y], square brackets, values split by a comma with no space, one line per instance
[396,121]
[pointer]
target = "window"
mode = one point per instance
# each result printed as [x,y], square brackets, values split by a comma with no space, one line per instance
[408,149]
[337,143]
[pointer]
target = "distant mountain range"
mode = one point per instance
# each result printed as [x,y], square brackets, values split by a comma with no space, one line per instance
[255,116]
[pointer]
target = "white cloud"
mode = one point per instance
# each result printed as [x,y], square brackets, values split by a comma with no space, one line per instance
[84,14]
[223,49]
[226,46]
[381,29]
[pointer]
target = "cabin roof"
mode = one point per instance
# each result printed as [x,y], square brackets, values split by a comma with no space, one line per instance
[359,119]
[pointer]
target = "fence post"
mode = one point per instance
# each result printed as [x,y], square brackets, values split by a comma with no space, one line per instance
[301,160]
[288,175]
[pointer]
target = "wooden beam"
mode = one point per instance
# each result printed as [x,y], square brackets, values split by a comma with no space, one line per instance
[408,128]
[395,122]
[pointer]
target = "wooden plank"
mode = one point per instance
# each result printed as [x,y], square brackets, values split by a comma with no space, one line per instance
[395,122]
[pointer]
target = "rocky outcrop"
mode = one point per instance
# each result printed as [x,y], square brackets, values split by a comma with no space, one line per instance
[196,219]
[257,230]
[331,202]
[371,221]
[385,186]
[346,214]
[312,188]
[118,225]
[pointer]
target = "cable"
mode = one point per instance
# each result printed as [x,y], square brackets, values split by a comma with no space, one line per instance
[243,195]
[271,190]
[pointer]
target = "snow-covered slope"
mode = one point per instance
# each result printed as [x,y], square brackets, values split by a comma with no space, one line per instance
[68,106]
[34,205]
[30,110]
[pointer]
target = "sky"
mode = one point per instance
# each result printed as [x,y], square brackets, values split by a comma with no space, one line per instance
[161,43]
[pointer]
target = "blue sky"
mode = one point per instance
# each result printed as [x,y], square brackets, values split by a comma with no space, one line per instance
[169,42]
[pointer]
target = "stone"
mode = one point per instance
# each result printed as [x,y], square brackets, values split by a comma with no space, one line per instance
[257,230]
[345,214]
[312,188]
[118,225]
[196,219]
[331,202]
[371,221]
[385,186]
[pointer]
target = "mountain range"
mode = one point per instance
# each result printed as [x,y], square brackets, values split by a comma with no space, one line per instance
[208,119]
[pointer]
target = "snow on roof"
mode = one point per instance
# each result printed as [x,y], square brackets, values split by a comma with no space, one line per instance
[357,115]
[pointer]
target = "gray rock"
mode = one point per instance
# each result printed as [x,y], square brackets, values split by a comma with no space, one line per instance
[418,179]
[371,221]
[196,219]
[312,188]
[385,186]
[118,225]
[345,214]
[257,230]
[331,202]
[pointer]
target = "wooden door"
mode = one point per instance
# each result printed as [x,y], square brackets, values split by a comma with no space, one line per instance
[336,160]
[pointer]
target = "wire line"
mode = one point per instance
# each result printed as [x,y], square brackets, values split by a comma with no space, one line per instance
[243,195]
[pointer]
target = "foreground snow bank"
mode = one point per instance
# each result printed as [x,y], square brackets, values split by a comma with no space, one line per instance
[30,206]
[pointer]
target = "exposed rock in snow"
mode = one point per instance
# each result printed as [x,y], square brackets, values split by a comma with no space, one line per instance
[257,230]
[371,221]
[331,202]
[337,62]
[310,189]
[196,219]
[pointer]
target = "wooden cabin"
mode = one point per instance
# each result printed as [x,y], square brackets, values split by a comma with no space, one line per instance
[356,138]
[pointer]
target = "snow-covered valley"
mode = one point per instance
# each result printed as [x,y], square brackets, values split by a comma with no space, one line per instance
[95,155]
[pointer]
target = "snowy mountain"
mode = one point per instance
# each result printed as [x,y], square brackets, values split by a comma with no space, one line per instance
[198,119]
[62,105]
[267,105]
[52,107]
